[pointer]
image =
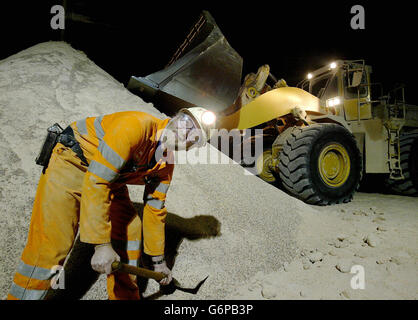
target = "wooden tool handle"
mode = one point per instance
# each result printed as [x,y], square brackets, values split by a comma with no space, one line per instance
[141,272]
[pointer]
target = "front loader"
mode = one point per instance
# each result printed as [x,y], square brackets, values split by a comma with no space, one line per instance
[318,138]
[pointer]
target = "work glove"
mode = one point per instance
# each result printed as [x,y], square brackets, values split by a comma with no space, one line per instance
[103,257]
[160,266]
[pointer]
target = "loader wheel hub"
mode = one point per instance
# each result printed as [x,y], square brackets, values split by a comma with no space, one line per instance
[263,166]
[334,165]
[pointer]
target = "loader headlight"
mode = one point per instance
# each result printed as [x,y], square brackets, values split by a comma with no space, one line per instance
[333,102]
[333,65]
[309,76]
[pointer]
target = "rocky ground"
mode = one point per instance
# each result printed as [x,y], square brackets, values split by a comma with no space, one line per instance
[375,231]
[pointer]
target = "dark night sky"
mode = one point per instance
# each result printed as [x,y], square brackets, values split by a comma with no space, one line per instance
[139,37]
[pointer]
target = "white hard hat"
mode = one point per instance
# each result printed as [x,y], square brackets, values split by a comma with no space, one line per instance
[204,119]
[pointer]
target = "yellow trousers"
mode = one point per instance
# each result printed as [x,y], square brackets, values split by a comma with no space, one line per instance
[54,225]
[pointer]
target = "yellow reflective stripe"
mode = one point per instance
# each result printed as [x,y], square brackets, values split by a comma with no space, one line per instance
[98,127]
[102,171]
[82,126]
[33,272]
[26,294]
[110,155]
[163,188]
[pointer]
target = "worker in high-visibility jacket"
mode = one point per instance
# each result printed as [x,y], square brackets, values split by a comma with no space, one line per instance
[85,189]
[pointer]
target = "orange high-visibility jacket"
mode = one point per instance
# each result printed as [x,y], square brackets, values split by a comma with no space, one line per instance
[120,148]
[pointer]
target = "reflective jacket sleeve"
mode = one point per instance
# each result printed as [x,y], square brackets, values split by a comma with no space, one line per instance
[122,136]
[155,214]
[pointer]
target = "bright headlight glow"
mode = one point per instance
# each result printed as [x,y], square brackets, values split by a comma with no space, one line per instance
[309,76]
[334,102]
[208,118]
[333,65]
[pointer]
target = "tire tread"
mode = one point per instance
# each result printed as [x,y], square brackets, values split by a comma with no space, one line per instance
[294,167]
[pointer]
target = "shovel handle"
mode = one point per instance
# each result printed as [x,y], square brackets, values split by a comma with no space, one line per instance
[141,272]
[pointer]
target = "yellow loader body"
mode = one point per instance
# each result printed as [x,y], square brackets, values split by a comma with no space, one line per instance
[268,106]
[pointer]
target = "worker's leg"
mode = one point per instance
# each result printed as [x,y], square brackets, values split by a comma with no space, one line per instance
[53,225]
[126,240]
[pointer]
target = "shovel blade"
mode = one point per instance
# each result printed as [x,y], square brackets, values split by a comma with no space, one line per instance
[174,285]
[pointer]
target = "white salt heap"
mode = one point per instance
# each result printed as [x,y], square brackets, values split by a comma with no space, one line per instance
[51,82]
[270,246]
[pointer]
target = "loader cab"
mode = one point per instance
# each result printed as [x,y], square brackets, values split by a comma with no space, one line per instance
[343,88]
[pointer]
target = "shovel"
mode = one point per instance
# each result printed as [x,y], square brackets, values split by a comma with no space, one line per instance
[158,276]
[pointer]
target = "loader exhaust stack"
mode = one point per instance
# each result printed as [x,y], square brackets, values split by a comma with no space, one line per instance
[205,71]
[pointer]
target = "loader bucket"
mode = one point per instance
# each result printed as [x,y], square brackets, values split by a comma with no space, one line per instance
[205,71]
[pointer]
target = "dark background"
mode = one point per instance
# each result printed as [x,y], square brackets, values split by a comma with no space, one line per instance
[139,37]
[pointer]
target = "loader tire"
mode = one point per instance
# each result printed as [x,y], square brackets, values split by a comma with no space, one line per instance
[321,164]
[409,165]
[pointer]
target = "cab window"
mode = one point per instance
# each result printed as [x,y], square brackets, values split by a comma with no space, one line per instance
[351,92]
[332,89]
[325,87]
[318,87]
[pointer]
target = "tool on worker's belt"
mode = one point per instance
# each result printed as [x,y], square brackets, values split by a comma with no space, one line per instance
[68,139]
[51,139]
[158,276]
[54,135]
